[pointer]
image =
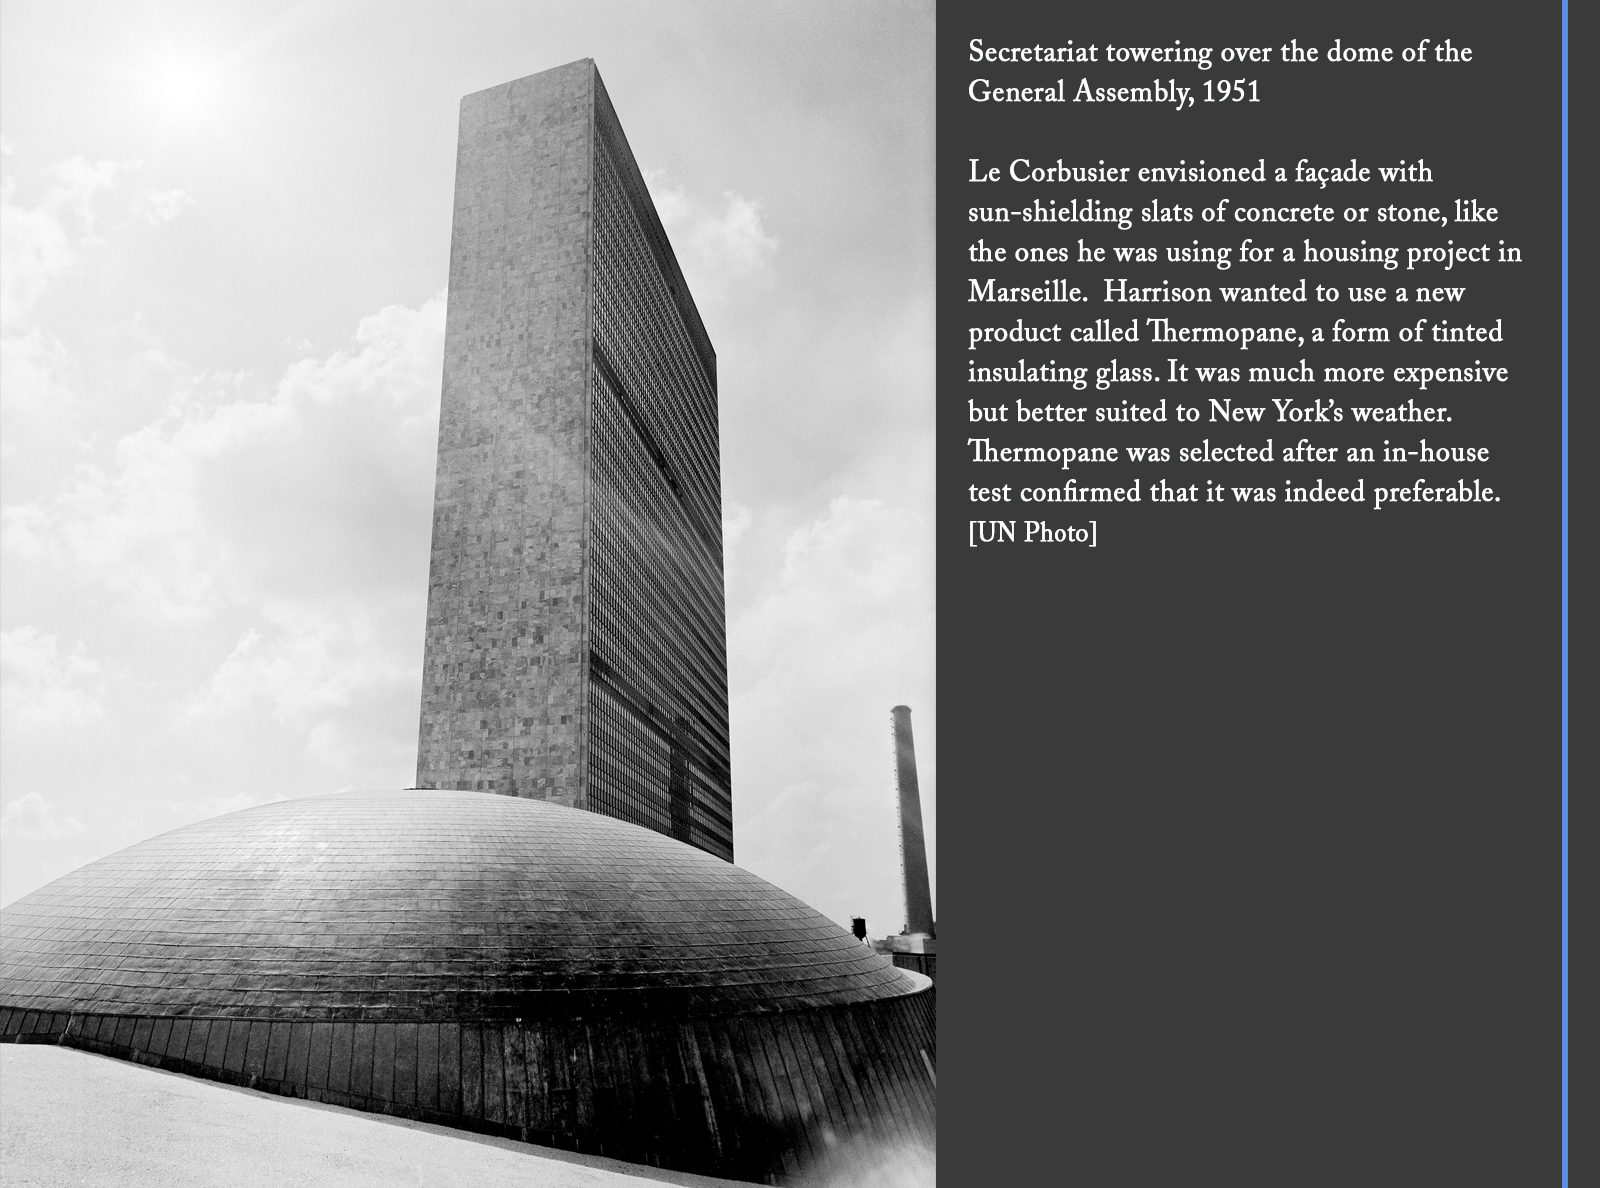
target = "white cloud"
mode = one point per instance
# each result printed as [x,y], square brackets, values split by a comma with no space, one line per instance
[719,248]
[257,554]
[32,369]
[46,400]
[736,521]
[43,241]
[840,636]
[45,687]
[40,242]
[226,498]
[853,583]
[35,246]
[162,206]
[31,817]
[836,846]
[74,183]
[310,666]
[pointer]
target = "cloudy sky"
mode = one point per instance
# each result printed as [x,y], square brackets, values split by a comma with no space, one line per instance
[225,242]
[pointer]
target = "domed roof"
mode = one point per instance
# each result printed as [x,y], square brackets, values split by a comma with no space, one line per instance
[423,904]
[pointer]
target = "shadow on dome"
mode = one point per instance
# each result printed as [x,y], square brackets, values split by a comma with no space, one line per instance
[491,963]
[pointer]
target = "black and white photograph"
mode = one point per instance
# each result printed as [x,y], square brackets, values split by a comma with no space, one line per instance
[509,508]
[468,593]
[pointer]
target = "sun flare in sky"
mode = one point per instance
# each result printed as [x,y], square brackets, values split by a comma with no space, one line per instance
[184,86]
[227,242]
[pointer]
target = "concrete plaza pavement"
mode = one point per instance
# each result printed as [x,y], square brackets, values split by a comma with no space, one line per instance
[72,1118]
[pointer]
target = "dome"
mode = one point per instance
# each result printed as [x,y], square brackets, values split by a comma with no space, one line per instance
[499,965]
[424,904]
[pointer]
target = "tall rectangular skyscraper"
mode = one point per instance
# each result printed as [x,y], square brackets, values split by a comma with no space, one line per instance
[576,638]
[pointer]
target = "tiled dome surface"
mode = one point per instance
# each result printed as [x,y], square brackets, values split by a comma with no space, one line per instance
[423,905]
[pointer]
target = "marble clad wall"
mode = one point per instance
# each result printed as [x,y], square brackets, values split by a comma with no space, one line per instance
[505,657]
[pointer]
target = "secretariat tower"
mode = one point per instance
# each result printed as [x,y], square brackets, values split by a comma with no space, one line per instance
[576,638]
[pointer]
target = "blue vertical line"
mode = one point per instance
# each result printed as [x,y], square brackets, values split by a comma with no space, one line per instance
[1564,640]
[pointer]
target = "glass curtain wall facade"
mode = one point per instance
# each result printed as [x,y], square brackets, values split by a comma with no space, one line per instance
[658,667]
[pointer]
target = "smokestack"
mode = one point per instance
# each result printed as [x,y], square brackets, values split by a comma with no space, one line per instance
[913,851]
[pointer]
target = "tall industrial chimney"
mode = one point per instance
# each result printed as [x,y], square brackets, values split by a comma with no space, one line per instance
[913,850]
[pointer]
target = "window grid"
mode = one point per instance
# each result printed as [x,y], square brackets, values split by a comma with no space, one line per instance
[656,610]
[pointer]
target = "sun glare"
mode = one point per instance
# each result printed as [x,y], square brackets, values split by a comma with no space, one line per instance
[185,87]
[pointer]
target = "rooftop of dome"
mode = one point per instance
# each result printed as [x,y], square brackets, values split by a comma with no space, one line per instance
[423,905]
